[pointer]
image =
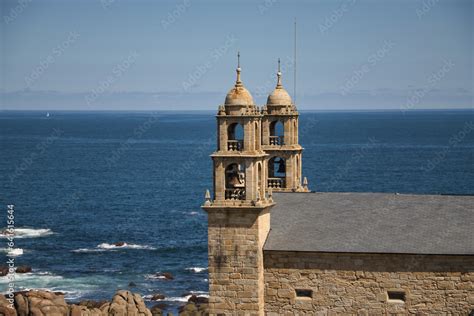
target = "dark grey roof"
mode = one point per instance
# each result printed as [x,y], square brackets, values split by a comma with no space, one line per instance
[372,223]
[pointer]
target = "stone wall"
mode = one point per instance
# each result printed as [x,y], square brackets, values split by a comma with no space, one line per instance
[358,284]
[235,241]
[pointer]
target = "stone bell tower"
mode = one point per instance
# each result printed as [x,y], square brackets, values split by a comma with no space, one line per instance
[280,141]
[238,213]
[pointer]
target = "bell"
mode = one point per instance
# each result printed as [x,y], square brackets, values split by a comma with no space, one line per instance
[281,166]
[234,180]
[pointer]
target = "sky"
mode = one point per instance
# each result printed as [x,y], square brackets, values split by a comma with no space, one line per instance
[181,55]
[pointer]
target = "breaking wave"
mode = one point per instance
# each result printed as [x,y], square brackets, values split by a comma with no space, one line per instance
[12,252]
[26,233]
[117,246]
[196,269]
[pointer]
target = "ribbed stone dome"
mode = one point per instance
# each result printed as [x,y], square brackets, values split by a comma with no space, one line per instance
[279,96]
[239,95]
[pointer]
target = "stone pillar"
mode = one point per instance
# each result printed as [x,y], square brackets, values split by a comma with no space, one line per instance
[236,238]
[222,136]
[265,132]
[219,180]
[287,131]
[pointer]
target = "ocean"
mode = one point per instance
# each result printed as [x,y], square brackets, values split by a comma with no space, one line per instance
[82,181]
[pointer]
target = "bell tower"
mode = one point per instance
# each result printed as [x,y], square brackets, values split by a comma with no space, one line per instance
[239,211]
[280,141]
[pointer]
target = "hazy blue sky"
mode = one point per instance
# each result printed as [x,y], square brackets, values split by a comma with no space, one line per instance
[352,54]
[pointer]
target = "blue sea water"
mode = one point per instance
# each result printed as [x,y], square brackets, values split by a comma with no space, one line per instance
[81,181]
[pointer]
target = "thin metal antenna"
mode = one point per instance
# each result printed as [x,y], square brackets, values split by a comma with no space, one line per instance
[294,68]
[238,59]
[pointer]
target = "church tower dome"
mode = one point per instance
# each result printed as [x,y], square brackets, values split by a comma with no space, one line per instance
[279,96]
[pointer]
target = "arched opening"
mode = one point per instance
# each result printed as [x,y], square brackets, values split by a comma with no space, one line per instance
[235,137]
[276,172]
[277,133]
[235,182]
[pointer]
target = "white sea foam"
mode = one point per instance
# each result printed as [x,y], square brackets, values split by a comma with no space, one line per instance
[107,247]
[12,252]
[196,269]
[124,246]
[155,277]
[177,299]
[187,297]
[73,288]
[26,233]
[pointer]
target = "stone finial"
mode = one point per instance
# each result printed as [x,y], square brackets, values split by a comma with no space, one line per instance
[270,194]
[208,198]
[305,184]
[279,85]
[238,82]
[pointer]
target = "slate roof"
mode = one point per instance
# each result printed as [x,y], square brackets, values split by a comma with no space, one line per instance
[372,223]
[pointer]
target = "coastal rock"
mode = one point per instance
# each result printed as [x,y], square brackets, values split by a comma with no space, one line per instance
[45,303]
[196,306]
[5,308]
[92,304]
[125,303]
[157,297]
[80,310]
[40,303]
[164,276]
[3,270]
[119,244]
[156,310]
[198,299]
[23,269]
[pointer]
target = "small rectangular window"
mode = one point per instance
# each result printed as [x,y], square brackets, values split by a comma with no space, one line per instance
[396,296]
[304,293]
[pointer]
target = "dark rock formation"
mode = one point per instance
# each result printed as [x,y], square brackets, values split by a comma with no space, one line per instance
[3,270]
[196,306]
[157,297]
[23,269]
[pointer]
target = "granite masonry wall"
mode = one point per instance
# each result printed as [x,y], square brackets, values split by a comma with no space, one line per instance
[235,243]
[359,284]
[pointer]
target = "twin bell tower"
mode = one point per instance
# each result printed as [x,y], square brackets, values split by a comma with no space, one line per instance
[257,154]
